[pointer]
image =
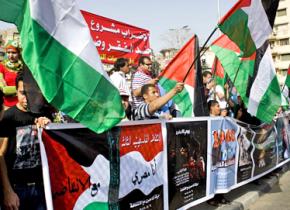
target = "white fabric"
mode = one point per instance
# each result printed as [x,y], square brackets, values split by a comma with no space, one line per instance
[63,20]
[119,80]
[258,22]
[266,73]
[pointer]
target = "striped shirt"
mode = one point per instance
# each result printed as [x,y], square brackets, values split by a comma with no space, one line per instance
[139,79]
[142,112]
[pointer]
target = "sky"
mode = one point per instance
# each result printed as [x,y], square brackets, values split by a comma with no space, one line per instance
[158,16]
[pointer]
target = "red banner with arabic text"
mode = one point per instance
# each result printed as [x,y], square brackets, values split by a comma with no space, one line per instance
[115,39]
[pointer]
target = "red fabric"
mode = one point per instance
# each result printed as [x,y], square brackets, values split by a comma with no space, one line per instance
[179,65]
[65,174]
[9,77]
[217,68]
[237,6]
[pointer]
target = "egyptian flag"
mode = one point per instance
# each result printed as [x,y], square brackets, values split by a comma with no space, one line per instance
[141,167]
[79,168]
[248,25]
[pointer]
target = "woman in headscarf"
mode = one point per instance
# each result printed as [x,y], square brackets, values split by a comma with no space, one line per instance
[8,71]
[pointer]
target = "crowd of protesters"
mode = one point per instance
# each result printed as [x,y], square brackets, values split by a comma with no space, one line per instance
[143,99]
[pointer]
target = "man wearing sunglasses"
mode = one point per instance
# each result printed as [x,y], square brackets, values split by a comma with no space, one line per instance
[142,76]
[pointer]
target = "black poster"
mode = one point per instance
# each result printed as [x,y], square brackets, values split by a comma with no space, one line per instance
[187,152]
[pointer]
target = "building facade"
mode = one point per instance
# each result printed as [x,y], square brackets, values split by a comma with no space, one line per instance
[280,40]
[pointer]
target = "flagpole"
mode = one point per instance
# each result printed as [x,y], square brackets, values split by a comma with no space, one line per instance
[199,55]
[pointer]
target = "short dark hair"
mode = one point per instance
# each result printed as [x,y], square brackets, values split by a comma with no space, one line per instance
[205,73]
[145,88]
[142,58]
[19,78]
[120,63]
[212,103]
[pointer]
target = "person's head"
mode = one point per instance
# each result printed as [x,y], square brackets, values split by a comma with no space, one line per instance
[22,100]
[12,49]
[223,108]
[122,64]
[125,98]
[145,63]
[1,104]
[214,108]
[149,92]
[206,76]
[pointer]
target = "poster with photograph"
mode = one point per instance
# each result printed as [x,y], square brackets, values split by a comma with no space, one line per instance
[265,151]
[223,152]
[282,139]
[187,152]
[246,148]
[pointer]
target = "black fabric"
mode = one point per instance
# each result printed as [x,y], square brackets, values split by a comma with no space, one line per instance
[270,6]
[200,103]
[35,100]
[82,145]
[13,119]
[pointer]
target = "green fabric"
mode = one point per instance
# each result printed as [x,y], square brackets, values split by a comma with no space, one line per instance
[236,28]
[270,102]
[97,206]
[235,67]
[182,100]
[11,10]
[67,82]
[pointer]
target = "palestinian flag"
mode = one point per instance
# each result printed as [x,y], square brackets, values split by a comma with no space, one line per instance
[118,169]
[66,67]
[238,69]
[218,72]
[248,25]
[287,82]
[191,101]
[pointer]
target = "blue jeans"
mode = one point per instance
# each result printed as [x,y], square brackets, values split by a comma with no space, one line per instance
[31,196]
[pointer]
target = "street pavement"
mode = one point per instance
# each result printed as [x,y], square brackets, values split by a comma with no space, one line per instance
[277,198]
[269,192]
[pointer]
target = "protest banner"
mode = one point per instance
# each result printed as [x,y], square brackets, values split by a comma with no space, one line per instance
[156,164]
[115,39]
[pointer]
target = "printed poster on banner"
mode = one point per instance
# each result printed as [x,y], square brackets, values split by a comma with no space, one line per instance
[224,153]
[79,169]
[187,160]
[282,139]
[118,169]
[265,150]
[246,148]
[141,167]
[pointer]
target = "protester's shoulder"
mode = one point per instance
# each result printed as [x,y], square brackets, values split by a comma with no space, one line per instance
[10,112]
[114,74]
[141,112]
